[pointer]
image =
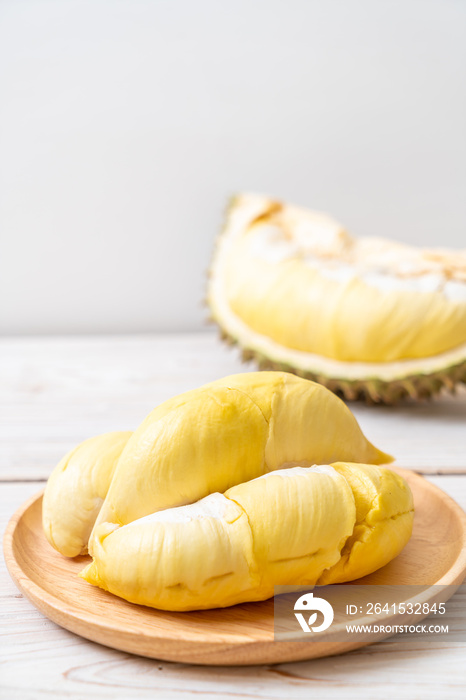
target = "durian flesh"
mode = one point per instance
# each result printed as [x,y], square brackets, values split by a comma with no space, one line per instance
[220,481]
[364,316]
[228,432]
[76,490]
[197,443]
[299,526]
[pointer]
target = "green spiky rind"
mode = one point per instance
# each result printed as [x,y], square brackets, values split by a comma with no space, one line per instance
[372,391]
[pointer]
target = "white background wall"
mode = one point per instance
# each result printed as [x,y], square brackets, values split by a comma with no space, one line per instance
[126,124]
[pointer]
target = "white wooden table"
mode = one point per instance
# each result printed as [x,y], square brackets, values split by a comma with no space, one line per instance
[56,392]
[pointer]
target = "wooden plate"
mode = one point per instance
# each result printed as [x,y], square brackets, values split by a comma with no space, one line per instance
[243,634]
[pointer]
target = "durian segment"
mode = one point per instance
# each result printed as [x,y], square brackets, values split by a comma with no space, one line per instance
[282,528]
[76,490]
[190,557]
[300,519]
[384,521]
[206,444]
[298,292]
[339,311]
[228,432]
[298,526]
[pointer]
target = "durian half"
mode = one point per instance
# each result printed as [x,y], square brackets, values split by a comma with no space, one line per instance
[368,318]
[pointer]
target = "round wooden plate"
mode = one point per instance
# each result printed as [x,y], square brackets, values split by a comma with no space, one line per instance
[242,634]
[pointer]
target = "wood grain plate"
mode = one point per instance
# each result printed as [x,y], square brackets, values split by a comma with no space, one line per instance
[242,634]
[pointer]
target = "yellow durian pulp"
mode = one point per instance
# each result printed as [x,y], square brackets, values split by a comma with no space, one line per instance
[206,440]
[228,432]
[298,526]
[215,498]
[76,490]
[298,278]
[384,519]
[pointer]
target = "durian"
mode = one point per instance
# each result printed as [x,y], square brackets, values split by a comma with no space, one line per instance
[76,490]
[216,498]
[368,318]
[298,526]
[201,442]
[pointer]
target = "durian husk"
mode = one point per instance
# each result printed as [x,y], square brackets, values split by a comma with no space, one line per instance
[418,386]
